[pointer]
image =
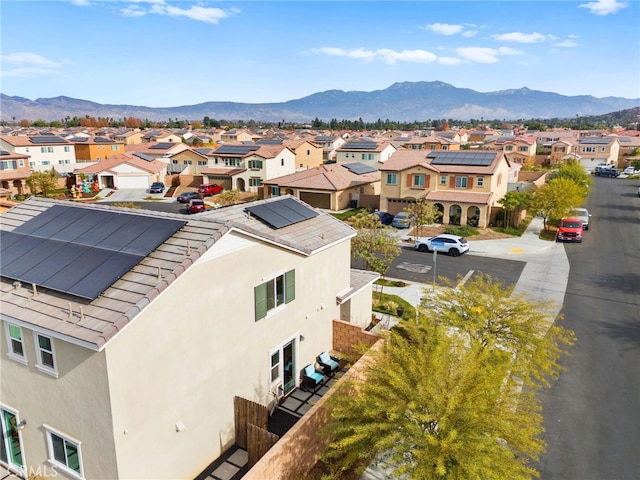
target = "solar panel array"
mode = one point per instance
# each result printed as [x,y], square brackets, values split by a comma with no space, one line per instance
[235,149]
[362,145]
[47,139]
[78,139]
[202,151]
[475,159]
[594,141]
[269,141]
[80,251]
[162,146]
[359,168]
[146,158]
[282,213]
[103,140]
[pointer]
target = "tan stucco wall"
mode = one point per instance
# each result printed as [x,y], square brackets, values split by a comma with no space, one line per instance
[308,156]
[198,344]
[76,404]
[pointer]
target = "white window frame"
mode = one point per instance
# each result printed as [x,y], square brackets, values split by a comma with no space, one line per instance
[278,303]
[40,365]
[255,181]
[10,351]
[392,179]
[56,463]
[443,180]
[461,182]
[479,181]
[419,180]
[13,467]
[275,191]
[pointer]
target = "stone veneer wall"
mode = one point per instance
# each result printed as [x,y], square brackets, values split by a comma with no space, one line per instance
[298,450]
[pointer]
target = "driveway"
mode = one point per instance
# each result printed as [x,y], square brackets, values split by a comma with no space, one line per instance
[126,195]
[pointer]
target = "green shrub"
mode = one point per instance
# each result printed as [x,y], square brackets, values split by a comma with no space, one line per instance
[464,231]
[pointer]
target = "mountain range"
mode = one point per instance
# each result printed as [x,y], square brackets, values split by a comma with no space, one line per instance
[404,101]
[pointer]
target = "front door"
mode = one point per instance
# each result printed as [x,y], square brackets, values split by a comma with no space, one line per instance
[11,445]
[283,367]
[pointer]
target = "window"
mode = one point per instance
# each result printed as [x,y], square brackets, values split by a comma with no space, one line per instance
[445,147]
[589,149]
[202,163]
[523,149]
[603,149]
[274,293]
[45,354]
[461,182]
[432,147]
[418,180]
[32,164]
[508,148]
[282,162]
[232,162]
[15,343]
[392,178]
[443,179]
[46,149]
[8,165]
[115,147]
[21,163]
[255,164]
[64,453]
[367,156]
[46,163]
[275,191]
[479,181]
[308,152]
[10,440]
[255,181]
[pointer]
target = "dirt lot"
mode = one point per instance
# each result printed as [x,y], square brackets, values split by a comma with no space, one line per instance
[484,233]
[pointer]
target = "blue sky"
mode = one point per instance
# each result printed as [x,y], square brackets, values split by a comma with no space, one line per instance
[162,53]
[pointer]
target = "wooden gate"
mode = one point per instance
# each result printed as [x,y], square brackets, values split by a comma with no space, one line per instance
[259,441]
[248,412]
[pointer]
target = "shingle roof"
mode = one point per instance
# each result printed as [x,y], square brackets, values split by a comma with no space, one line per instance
[93,323]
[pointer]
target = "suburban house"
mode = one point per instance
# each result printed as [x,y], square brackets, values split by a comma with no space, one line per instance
[190,161]
[455,136]
[433,142]
[465,186]
[246,166]
[628,146]
[332,186]
[587,151]
[127,333]
[95,148]
[365,150]
[125,171]
[14,170]
[308,154]
[329,144]
[160,136]
[45,151]
[128,137]
[520,149]
[236,135]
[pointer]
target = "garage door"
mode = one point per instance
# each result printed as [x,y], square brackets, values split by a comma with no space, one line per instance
[318,200]
[133,181]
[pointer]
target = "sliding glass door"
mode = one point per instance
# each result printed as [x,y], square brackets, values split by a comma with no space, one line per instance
[11,445]
[283,367]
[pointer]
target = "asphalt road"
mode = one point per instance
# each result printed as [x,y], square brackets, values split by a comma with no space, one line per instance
[592,413]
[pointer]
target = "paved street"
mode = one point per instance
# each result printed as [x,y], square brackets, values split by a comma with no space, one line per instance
[592,413]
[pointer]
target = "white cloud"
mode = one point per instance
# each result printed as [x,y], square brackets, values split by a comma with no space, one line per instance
[509,51]
[195,12]
[27,65]
[478,54]
[470,33]
[451,61]
[604,7]
[444,28]
[520,37]
[385,54]
[132,11]
[566,44]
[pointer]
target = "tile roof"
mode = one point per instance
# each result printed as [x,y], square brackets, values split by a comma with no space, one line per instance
[332,177]
[359,280]
[459,197]
[404,159]
[93,323]
[153,166]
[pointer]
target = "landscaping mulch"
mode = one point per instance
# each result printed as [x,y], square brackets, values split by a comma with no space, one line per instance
[483,233]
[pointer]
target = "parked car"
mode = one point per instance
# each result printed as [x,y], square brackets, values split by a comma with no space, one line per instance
[402,220]
[583,214]
[570,229]
[208,189]
[156,187]
[186,196]
[607,172]
[196,205]
[385,217]
[451,244]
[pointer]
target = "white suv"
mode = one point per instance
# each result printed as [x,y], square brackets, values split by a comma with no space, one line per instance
[451,244]
[583,214]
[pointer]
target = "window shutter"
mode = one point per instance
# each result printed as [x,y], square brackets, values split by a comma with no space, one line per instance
[452,181]
[260,299]
[409,180]
[469,183]
[290,286]
[427,180]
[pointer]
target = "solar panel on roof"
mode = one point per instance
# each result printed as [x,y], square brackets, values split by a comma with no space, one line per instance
[235,149]
[595,141]
[269,141]
[359,168]
[144,157]
[103,140]
[282,213]
[162,146]
[480,159]
[362,145]
[47,139]
[80,251]
[4,152]
[202,151]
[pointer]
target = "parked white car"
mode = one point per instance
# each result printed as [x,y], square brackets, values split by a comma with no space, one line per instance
[583,214]
[451,244]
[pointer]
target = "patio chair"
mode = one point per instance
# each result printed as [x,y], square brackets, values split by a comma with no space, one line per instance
[311,378]
[329,363]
